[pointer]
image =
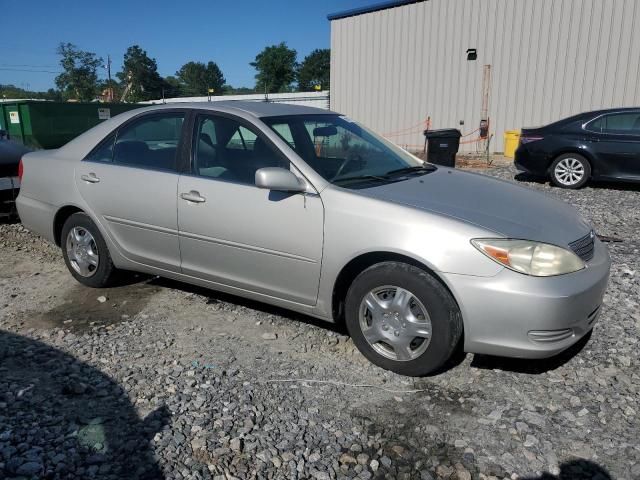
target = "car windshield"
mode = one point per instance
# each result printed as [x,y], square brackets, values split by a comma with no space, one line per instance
[344,152]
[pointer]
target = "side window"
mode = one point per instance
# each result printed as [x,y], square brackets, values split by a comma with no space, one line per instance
[242,139]
[595,125]
[104,151]
[621,123]
[284,131]
[150,142]
[226,150]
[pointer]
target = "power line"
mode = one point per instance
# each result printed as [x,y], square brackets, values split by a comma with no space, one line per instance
[25,65]
[32,71]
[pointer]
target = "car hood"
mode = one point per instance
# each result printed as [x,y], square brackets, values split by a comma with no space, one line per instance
[503,207]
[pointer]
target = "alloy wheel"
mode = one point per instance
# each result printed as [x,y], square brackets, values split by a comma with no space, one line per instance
[82,251]
[569,171]
[395,323]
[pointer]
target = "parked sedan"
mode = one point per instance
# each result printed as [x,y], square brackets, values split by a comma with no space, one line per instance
[308,210]
[10,154]
[600,145]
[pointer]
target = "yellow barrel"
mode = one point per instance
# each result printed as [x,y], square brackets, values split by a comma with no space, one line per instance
[511,140]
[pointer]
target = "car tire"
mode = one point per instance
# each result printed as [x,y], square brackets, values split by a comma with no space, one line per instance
[85,252]
[386,289]
[570,170]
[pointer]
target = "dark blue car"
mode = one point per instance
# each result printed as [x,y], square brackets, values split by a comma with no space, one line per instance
[599,145]
[10,155]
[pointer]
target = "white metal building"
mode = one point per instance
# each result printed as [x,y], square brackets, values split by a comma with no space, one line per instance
[396,63]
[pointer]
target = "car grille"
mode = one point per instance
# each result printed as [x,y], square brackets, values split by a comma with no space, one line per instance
[583,247]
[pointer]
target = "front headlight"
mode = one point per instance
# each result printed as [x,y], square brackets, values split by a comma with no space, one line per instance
[531,258]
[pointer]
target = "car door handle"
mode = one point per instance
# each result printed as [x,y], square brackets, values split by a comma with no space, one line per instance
[593,139]
[193,196]
[91,178]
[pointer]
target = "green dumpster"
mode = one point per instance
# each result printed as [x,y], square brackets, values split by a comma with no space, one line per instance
[41,124]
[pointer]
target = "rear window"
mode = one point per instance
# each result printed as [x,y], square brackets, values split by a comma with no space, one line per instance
[617,123]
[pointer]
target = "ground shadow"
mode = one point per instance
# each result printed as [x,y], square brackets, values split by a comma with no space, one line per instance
[522,365]
[622,186]
[596,184]
[576,470]
[61,418]
[214,296]
[528,177]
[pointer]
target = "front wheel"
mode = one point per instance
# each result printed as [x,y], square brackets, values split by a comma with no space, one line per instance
[402,319]
[85,252]
[570,171]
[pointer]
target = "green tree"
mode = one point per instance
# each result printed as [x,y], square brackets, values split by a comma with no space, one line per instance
[172,87]
[51,94]
[11,91]
[314,70]
[276,66]
[196,78]
[229,90]
[80,78]
[140,74]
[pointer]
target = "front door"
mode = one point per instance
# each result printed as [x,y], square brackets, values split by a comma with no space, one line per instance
[617,143]
[130,181]
[236,234]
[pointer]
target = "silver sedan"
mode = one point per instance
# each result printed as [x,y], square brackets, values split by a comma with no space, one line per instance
[308,210]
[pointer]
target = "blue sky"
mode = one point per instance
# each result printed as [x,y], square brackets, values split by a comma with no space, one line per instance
[230,33]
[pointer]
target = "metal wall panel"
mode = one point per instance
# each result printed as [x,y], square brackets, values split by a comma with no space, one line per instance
[391,69]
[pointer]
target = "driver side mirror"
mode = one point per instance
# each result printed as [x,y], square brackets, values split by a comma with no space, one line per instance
[278,179]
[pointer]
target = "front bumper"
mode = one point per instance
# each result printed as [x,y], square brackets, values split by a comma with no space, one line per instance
[9,188]
[9,183]
[516,315]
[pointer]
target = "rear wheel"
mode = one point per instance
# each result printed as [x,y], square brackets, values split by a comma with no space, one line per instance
[570,171]
[402,319]
[85,252]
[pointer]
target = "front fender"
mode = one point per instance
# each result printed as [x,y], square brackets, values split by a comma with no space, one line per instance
[356,225]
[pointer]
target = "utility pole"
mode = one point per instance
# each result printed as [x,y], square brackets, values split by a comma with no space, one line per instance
[109,91]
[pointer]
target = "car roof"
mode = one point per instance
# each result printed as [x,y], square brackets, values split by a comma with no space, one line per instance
[82,144]
[596,113]
[583,117]
[259,109]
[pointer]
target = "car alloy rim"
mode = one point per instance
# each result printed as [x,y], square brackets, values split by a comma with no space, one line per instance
[82,251]
[569,171]
[395,323]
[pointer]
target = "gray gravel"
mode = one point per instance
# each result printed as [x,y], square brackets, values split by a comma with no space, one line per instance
[163,380]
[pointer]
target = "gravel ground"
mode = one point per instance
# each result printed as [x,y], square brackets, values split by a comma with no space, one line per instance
[157,379]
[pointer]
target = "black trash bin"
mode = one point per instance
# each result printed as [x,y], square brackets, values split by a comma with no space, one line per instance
[442,146]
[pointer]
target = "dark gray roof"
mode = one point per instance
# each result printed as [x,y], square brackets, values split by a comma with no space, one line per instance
[372,8]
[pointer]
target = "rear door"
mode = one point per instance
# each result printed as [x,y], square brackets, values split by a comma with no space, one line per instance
[615,138]
[236,234]
[130,181]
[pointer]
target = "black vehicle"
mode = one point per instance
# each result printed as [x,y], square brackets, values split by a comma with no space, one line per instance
[10,155]
[599,145]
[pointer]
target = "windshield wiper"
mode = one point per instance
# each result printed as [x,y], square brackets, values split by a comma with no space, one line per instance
[420,168]
[387,177]
[361,178]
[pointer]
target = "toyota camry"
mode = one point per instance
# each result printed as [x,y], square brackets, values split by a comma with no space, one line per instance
[308,210]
